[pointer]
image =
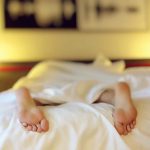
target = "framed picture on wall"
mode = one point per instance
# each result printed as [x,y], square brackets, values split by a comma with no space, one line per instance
[83,15]
[53,14]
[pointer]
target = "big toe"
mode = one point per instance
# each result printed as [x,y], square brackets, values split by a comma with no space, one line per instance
[44,124]
[119,127]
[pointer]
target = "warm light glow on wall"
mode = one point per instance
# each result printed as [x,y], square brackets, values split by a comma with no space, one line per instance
[7,51]
[4,51]
[147,47]
[141,47]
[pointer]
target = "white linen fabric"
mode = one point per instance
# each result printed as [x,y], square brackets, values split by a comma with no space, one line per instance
[61,82]
[77,124]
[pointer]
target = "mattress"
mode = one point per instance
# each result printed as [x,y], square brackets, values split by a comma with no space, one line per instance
[77,124]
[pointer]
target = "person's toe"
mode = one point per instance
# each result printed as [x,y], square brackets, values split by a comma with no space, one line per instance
[131,125]
[119,127]
[34,128]
[125,129]
[39,129]
[44,125]
[134,122]
[24,124]
[29,127]
[128,128]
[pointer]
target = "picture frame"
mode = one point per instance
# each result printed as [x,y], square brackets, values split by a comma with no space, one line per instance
[85,15]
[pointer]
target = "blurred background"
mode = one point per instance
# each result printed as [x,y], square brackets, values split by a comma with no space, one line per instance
[35,30]
[29,44]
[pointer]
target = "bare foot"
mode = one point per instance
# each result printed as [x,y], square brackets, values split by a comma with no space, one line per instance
[30,116]
[125,113]
[33,119]
[124,119]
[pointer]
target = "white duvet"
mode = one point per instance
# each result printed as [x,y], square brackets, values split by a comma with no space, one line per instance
[76,124]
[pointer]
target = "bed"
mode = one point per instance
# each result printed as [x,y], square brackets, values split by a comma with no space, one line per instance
[78,125]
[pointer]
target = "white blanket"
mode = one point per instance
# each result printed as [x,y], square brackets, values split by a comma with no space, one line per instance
[77,124]
[61,82]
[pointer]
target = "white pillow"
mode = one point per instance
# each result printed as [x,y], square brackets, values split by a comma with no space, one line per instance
[105,63]
[102,60]
[118,66]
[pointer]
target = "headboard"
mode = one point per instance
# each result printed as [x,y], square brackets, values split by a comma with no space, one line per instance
[26,66]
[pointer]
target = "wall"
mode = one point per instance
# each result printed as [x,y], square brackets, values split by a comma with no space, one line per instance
[27,45]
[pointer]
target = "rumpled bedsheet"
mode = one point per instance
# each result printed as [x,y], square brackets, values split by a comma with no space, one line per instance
[77,125]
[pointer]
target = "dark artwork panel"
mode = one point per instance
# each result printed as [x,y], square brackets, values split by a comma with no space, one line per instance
[83,15]
[40,14]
